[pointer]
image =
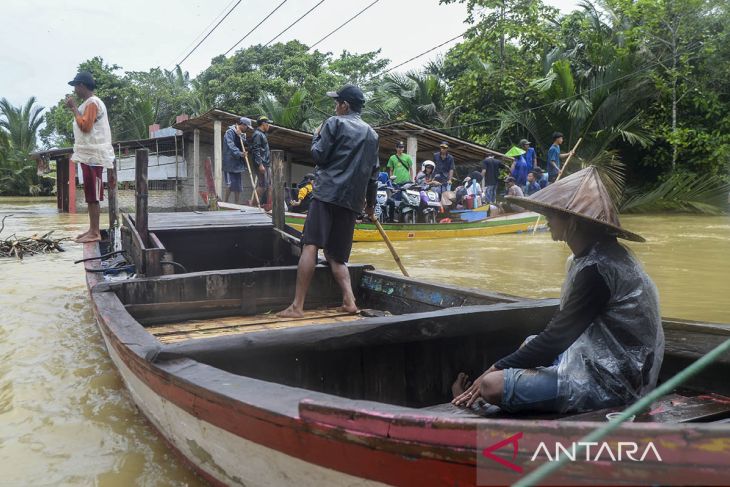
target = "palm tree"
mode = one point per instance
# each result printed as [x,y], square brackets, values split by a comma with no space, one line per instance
[21,123]
[420,97]
[296,113]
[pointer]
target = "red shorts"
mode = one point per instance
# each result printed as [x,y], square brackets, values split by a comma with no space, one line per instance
[93,183]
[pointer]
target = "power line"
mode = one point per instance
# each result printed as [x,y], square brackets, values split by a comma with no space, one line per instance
[211,31]
[341,26]
[416,57]
[204,30]
[295,22]
[255,27]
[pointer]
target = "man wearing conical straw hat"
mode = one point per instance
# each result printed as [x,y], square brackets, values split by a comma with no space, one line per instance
[604,346]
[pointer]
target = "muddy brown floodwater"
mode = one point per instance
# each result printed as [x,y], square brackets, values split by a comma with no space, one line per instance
[66,419]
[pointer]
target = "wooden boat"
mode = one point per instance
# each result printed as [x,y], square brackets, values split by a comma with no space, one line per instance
[335,399]
[497,225]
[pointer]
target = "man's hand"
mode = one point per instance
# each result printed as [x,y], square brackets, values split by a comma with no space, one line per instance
[71,103]
[262,170]
[473,393]
[370,212]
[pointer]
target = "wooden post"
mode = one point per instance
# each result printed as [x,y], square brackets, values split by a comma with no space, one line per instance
[412,147]
[218,157]
[71,186]
[196,167]
[140,177]
[111,178]
[277,188]
[62,184]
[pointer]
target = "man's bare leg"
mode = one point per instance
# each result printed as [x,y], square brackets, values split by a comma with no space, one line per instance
[236,197]
[342,276]
[93,235]
[460,385]
[226,194]
[305,271]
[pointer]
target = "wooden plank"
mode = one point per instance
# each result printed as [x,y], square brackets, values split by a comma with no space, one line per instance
[132,243]
[237,321]
[237,330]
[141,195]
[672,408]
[206,220]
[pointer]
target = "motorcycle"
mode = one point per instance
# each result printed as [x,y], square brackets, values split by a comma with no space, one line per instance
[410,203]
[381,198]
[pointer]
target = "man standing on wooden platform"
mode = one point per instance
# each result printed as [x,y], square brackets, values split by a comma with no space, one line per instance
[345,150]
[262,159]
[234,164]
[92,147]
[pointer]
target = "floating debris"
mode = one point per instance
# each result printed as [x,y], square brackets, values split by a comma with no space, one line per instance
[19,247]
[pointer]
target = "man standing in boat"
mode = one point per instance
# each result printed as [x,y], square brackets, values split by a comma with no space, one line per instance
[92,147]
[605,344]
[345,149]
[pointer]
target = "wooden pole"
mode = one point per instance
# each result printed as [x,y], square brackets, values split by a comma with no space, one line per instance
[71,185]
[196,167]
[140,178]
[277,188]
[111,178]
[575,147]
[390,246]
[250,175]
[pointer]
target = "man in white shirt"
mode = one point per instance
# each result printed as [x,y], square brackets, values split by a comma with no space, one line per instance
[92,147]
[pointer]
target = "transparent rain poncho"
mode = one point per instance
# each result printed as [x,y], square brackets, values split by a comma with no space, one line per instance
[617,359]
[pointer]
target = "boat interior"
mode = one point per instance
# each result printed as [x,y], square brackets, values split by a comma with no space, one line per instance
[405,348]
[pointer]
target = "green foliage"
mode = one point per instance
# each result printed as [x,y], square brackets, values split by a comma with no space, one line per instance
[680,192]
[18,130]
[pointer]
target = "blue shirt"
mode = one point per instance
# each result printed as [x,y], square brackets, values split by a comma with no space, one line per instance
[553,155]
[520,171]
[443,166]
[531,188]
[530,157]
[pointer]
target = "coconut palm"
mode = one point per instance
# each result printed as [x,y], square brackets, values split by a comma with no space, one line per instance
[297,112]
[420,97]
[21,123]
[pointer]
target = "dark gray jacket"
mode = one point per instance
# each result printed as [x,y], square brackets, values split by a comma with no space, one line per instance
[232,160]
[260,149]
[346,154]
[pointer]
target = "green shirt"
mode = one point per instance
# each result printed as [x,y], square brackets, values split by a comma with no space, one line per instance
[402,172]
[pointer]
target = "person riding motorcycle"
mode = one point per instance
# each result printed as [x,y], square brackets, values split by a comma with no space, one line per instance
[425,176]
[304,195]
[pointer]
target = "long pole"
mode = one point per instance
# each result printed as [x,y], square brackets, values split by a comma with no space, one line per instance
[390,246]
[570,156]
[250,174]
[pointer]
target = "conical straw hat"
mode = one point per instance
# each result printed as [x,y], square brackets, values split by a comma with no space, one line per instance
[581,194]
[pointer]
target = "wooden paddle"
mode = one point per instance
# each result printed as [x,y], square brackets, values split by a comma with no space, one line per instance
[390,246]
[575,147]
[250,174]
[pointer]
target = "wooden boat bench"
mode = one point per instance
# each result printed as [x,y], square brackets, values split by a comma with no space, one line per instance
[672,408]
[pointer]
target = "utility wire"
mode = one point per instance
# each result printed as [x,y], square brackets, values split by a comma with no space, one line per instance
[416,57]
[204,31]
[211,31]
[341,26]
[295,22]
[255,27]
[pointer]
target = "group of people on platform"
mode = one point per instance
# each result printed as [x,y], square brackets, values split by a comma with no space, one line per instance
[236,148]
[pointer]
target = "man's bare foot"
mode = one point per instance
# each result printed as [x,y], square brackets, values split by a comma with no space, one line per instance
[290,312]
[89,237]
[81,235]
[351,309]
[460,384]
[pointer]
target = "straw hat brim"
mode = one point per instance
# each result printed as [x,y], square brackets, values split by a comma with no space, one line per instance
[542,208]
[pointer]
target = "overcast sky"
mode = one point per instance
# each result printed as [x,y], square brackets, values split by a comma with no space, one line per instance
[43,41]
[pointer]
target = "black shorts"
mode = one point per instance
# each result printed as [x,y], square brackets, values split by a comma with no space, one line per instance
[330,227]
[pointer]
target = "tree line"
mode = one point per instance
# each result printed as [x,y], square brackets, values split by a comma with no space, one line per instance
[644,82]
